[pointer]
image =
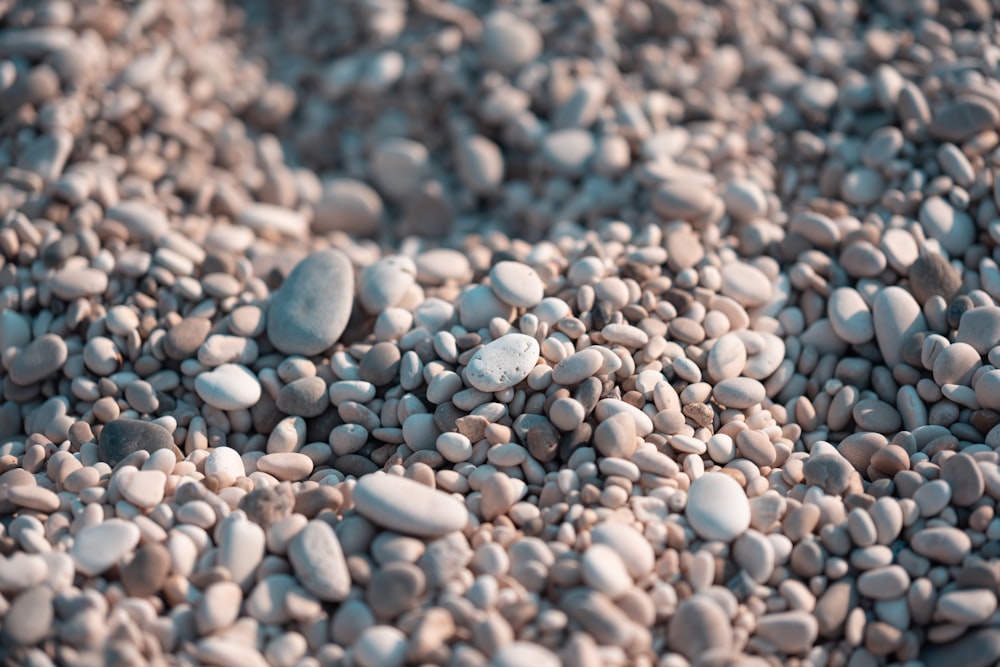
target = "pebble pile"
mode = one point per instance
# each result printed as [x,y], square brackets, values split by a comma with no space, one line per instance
[370,333]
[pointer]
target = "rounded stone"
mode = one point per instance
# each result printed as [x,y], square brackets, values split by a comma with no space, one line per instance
[850,316]
[145,574]
[348,205]
[98,547]
[830,472]
[122,437]
[228,387]
[699,625]
[311,310]
[717,508]
[380,365]
[318,561]
[305,397]
[38,360]
[502,363]
[740,393]
[408,507]
[747,284]
[930,275]
[517,284]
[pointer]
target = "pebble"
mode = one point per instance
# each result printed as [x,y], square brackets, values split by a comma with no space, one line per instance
[931,274]
[681,200]
[965,479]
[184,338]
[348,205]
[286,466]
[717,508]
[219,607]
[143,221]
[517,284]
[408,507]
[502,363]
[72,283]
[144,488]
[746,284]
[508,41]
[850,316]
[699,625]
[944,544]
[980,328]
[97,548]
[740,393]
[603,570]
[29,617]
[383,284]
[318,561]
[224,465]
[38,360]
[122,437]
[830,472]
[380,646]
[304,397]
[630,545]
[270,218]
[897,316]
[146,572]
[791,632]
[228,387]
[310,311]
[954,229]
[977,648]
[962,118]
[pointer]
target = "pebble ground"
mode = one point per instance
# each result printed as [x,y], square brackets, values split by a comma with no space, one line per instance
[371,333]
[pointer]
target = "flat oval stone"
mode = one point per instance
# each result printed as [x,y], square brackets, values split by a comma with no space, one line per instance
[956,364]
[931,274]
[830,472]
[408,507]
[98,547]
[305,397]
[577,367]
[602,569]
[318,561]
[348,205]
[145,573]
[717,507]
[122,437]
[69,284]
[508,41]
[955,230]
[310,311]
[699,625]
[28,618]
[517,284]
[502,363]
[850,316]
[37,360]
[746,284]
[228,387]
[631,546]
[962,473]
[791,632]
[980,328]
[897,316]
[268,217]
[966,607]
[964,117]
[682,200]
[740,393]
[727,358]
[941,543]
[184,338]
[144,222]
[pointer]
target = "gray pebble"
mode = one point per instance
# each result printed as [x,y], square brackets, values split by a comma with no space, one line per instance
[310,311]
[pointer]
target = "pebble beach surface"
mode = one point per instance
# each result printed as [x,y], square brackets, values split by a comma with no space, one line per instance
[370,333]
